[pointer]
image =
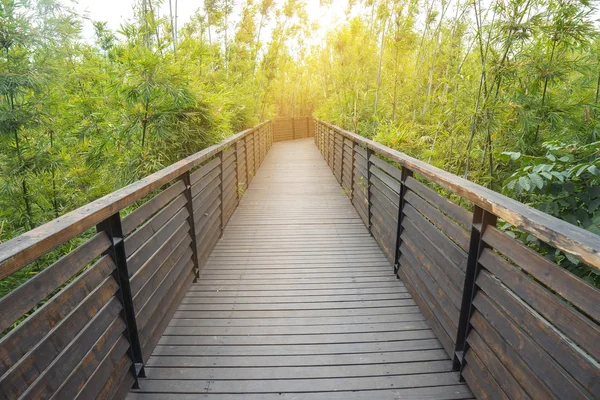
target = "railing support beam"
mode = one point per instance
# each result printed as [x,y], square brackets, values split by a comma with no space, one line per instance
[481,219]
[369,154]
[186,177]
[221,189]
[405,174]
[112,227]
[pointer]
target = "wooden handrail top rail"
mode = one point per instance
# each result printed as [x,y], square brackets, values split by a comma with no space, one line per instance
[21,250]
[558,233]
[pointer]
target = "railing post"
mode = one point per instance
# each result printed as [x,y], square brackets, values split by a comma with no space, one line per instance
[307,126]
[221,189]
[331,148]
[246,160]
[342,164]
[237,173]
[254,147]
[369,154]
[481,219]
[352,171]
[405,174]
[112,227]
[187,180]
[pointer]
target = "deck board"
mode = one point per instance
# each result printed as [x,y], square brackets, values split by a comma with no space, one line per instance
[297,301]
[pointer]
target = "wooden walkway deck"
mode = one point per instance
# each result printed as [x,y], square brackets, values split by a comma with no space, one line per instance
[297,301]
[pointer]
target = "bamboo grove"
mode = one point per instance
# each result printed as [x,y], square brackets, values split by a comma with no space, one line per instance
[503,92]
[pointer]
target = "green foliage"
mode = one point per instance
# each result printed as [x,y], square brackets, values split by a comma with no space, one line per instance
[503,93]
[565,182]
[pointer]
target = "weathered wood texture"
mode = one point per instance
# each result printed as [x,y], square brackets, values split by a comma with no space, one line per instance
[77,329]
[297,300]
[517,325]
[291,128]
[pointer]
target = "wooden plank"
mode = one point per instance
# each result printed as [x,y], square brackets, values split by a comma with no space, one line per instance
[204,170]
[30,332]
[168,308]
[171,248]
[581,367]
[116,360]
[510,358]
[176,361]
[439,303]
[567,319]
[553,375]
[27,369]
[153,225]
[422,298]
[453,292]
[385,190]
[452,252]
[207,215]
[181,254]
[391,170]
[148,309]
[430,393]
[83,372]
[300,385]
[574,289]
[293,372]
[205,181]
[149,248]
[201,197]
[393,184]
[150,207]
[454,273]
[454,211]
[60,368]
[448,227]
[112,385]
[488,387]
[501,374]
[299,306]
[22,299]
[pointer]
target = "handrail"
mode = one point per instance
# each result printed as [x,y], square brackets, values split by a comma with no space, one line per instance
[554,231]
[19,251]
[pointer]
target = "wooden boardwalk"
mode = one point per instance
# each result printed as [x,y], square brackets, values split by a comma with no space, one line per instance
[297,301]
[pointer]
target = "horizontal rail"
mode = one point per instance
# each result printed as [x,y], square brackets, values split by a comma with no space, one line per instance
[556,232]
[31,245]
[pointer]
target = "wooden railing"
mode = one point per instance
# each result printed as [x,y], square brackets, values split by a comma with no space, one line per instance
[291,128]
[516,324]
[83,327]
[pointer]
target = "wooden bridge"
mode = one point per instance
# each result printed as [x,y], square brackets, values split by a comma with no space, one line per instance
[251,271]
